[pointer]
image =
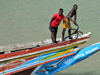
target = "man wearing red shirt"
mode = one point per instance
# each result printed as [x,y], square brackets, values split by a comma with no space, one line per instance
[54,23]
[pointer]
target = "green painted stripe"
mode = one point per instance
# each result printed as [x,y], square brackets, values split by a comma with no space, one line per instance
[55,54]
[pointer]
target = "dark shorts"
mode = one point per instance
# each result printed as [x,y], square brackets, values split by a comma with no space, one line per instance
[54,29]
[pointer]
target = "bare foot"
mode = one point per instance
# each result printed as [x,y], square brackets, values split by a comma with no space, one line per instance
[71,38]
[55,42]
[63,39]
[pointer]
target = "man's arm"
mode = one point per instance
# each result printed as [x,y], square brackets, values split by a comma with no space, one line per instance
[50,22]
[67,24]
[75,17]
[69,16]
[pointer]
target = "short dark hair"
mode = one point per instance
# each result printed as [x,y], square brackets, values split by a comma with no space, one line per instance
[61,9]
[75,5]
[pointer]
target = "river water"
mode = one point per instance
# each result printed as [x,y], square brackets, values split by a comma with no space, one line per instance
[23,21]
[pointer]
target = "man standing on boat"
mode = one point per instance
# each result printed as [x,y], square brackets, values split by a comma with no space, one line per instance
[54,23]
[68,19]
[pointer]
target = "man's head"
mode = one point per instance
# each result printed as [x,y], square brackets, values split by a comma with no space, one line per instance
[75,6]
[60,11]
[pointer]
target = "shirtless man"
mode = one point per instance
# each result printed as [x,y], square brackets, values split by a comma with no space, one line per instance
[68,19]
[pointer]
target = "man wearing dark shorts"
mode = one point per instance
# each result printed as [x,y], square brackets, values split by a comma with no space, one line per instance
[54,23]
[54,29]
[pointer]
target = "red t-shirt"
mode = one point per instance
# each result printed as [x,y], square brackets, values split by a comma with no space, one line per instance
[57,19]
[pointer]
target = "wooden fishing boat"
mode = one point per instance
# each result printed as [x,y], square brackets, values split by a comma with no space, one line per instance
[23,59]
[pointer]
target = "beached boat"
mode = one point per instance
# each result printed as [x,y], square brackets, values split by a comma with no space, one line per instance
[24,59]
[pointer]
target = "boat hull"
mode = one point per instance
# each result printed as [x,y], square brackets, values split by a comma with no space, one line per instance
[30,60]
[31,63]
[58,65]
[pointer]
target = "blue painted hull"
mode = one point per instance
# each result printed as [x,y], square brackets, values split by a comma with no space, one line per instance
[55,66]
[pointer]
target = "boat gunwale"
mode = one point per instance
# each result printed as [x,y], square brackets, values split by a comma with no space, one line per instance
[8,56]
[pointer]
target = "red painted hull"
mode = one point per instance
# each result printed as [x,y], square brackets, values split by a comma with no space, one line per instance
[23,71]
[40,49]
[27,52]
